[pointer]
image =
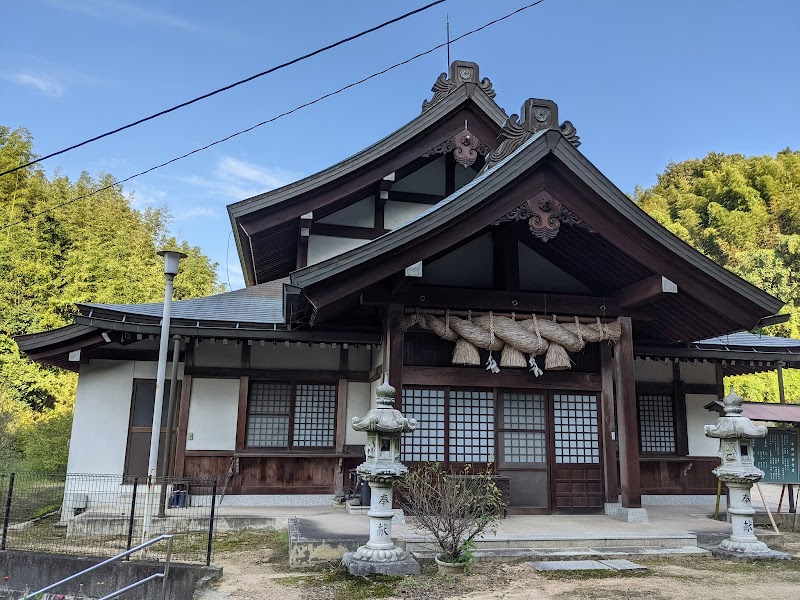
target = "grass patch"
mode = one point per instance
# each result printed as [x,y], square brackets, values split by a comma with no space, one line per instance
[592,574]
[345,586]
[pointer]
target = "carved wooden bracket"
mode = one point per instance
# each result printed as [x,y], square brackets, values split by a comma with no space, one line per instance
[461,72]
[465,147]
[545,215]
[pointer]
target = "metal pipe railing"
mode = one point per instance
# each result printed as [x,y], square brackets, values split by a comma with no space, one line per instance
[163,576]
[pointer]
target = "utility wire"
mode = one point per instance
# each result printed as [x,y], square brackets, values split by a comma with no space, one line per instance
[275,118]
[227,87]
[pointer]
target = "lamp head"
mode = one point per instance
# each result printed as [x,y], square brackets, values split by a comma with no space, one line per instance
[171,260]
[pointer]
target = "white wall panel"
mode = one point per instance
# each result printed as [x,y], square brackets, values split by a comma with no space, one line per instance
[696,418]
[213,411]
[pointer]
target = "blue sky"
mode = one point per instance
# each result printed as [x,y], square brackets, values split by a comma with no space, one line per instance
[645,83]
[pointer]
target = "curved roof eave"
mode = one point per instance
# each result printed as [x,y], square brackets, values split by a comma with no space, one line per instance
[525,157]
[454,101]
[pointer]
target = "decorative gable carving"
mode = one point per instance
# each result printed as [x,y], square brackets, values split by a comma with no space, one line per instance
[461,72]
[537,115]
[465,147]
[545,215]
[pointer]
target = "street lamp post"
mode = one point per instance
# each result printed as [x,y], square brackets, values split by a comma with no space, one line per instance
[171,260]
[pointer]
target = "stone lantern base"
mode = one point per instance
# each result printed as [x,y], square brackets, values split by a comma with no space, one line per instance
[405,566]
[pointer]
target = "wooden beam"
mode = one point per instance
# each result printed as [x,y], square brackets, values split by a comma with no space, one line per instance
[720,380]
[627,419]
[506,378]
[347,231]
[455,298]
[303,233]
[610,476]
[645,291]
[341,402]
[301,375]
[244,385]
[397,196]
[679,404]
[183,410]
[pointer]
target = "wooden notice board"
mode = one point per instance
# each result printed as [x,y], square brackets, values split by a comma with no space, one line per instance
[777,456]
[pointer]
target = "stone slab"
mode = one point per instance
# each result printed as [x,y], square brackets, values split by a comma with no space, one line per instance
[621,564]
[569,565]
[363,568]
[749,556]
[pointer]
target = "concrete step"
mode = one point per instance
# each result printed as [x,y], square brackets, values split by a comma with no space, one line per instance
[595,553]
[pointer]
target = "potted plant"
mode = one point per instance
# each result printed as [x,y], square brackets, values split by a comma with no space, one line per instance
[454,508]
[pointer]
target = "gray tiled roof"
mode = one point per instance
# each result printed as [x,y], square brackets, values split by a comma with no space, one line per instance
[745,339]
[262,304]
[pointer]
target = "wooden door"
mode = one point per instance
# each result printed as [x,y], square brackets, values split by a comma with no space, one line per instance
[141,425]
[576,465]
[522,448]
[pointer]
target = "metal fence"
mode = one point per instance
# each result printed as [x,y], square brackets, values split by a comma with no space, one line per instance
[102,515]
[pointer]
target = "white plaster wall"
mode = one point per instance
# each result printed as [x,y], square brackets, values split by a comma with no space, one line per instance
[149,369]
[281,356]
[464,176]
[322,247]
[358,404]
[427,180]
[102,411]
[215,353]
[359,214]
[699,372]
[537,274]
[470,265]
[696,418]
[359,358]
[652,370]
[213,409]
[397,213]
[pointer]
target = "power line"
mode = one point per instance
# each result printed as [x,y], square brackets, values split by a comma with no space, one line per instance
[227,87]
[270,120]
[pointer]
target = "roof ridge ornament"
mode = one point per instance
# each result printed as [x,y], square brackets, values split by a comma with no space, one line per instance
[537,115]
[461,72]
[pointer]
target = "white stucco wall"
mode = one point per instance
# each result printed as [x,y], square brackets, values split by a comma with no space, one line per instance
[359,358]
[427,180]
[102,410]
[397,213]
[215,353]
[652,370]
[696,418]
[322,247]
[149,369]
[359,214]
[213,409]
[281,356]
[358,400]
[699,372]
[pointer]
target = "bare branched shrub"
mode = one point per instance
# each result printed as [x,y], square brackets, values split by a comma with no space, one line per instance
[453,507]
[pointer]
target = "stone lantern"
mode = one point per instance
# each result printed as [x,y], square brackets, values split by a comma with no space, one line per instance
[738,471]
[382,469]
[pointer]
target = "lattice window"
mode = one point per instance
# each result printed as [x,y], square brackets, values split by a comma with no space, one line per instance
[576,429]
[524,422]
[274,406]
[471,420]
[269,411]
[656,423]
[427,407]
[314,415]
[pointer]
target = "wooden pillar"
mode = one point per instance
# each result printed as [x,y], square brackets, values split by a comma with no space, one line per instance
[720,380]
[395,344]
[610,474]
[679,408]
[627,421]
[183,410]
[241,416]
[781,391]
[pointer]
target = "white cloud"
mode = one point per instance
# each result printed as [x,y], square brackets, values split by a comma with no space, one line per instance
[120,11]
[39,82]
[235,179]
[143,196]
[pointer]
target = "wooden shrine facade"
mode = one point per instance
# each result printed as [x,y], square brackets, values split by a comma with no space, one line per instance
[501,281]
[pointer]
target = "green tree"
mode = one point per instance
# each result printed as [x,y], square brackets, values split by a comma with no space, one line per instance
[745,214]
[99,249]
